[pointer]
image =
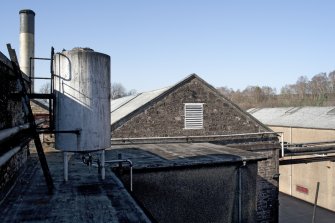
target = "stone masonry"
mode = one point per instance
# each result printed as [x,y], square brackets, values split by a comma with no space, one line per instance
[11,115]
[164,117]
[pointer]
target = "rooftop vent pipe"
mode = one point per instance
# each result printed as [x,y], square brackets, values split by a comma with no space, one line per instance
[27,42]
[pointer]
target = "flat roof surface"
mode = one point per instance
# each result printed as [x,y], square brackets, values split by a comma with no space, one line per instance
[293,210]
[180,154]
[84,198]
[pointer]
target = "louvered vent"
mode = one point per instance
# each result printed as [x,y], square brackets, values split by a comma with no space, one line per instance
[194,116]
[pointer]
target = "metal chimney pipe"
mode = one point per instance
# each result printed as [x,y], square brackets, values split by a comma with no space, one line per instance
[27,42]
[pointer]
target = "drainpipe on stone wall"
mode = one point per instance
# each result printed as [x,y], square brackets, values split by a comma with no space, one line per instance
[291,178]
[282,144]
[240,191]
[291,163]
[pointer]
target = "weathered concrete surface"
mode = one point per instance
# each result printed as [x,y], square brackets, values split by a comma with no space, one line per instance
[84,198]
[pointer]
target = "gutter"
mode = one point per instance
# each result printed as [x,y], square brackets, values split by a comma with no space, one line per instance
[186,139]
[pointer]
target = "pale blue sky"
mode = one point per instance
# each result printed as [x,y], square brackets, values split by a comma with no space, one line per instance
[155,43]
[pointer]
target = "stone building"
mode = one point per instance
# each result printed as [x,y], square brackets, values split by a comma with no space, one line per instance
[192,111]
[309,133]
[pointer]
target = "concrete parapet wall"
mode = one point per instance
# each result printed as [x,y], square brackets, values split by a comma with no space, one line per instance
[206,194]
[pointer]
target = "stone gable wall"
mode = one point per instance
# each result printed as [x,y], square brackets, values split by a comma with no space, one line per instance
[166,116]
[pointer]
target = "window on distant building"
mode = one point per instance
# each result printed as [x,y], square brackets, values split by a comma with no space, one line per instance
[194,118]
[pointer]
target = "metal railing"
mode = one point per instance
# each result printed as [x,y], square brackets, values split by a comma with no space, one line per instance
[119,161]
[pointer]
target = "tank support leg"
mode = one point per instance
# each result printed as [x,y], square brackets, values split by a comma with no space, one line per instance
[103,164]
[66,166]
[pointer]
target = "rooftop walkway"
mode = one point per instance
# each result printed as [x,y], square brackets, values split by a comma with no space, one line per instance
[84,198]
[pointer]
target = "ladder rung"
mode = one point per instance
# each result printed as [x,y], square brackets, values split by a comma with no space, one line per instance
[41,96]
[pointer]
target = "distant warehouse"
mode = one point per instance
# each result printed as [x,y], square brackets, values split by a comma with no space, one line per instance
[299,124]
[309,133]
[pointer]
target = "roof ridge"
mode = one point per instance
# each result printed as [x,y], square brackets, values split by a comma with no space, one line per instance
[159,89]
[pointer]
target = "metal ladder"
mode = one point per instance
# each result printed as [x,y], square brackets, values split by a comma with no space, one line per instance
[51,96]
[33,127]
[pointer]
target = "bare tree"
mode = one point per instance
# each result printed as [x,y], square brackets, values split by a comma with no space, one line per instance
[119,91]
[319,85]
[45,89]
[319,91]
[302,86]
[269,91]
[331,80]
[254,93]
[228,92]
[132,92]
[288,89]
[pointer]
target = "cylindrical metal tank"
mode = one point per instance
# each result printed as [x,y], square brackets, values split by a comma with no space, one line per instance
[82,88]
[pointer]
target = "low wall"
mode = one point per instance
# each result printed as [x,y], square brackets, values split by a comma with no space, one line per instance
[197,194]
[13,147]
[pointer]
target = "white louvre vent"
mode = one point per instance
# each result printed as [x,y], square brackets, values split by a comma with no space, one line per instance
[194,115]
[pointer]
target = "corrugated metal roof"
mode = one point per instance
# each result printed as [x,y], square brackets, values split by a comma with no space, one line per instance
[123,106]
[305,117]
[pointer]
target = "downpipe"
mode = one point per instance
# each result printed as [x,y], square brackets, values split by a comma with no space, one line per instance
[244,164]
